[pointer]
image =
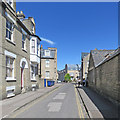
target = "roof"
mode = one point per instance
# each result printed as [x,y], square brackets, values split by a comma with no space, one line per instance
[100,55]
[52,53]
[73,67]
[110,56]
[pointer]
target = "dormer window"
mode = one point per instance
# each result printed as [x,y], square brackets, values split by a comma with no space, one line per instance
[47,53]
[10,2]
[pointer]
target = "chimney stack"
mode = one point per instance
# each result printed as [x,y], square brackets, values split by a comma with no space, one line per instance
[20,15]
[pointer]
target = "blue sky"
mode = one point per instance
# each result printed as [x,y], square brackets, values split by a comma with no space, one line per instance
[74,27]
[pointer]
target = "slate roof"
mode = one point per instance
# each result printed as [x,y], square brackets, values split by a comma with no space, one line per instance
[111,55]
[73,67]
[100,55]
[52,54]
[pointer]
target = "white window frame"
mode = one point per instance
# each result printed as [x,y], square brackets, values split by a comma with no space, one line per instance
[13,70]
[47,75]
[33,46]
[10,30]
[11,55]
[47,63]
[32,28]
[47,52]
[38,48]
[34,72]
[23,41]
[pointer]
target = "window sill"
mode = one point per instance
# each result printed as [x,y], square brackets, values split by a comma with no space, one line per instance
[10,41]
[24,50]
[10,79]
[33,80]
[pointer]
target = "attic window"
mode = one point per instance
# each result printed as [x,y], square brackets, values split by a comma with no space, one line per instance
[10,2]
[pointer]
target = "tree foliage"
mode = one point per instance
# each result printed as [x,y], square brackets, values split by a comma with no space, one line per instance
[67,77]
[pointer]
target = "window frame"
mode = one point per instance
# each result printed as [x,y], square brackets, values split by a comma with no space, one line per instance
[47,63]
[47,52]
[33,76]
[8,67]
[47,75]
[9,30]
[24,41]
[33,46]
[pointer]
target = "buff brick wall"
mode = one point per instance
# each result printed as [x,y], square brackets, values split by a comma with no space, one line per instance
[16,49]
[106,79]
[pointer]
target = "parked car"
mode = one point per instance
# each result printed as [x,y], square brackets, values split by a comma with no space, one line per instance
[59,81]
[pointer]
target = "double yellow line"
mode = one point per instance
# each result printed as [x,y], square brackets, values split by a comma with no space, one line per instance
[80,112]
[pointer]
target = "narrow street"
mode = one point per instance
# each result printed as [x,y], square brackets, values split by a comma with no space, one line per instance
[64,102]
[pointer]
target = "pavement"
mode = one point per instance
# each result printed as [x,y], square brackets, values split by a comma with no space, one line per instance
[96,105]
[10,105]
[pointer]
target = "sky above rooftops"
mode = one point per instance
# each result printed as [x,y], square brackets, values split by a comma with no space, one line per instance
[74,27]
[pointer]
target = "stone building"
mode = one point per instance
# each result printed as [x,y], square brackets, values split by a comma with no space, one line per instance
[14,51]
[103,73]
[73,70]
[83,65]
[34,50]
[49,64]
[61,75]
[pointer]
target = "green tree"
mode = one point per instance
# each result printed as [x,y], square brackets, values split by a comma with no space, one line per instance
[67,77]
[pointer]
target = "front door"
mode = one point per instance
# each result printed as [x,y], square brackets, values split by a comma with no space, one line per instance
[22,79]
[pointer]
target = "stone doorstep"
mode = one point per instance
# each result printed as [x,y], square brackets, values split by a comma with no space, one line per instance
[92,109]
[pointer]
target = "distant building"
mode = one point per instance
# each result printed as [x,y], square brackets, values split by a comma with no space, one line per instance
[73,70]
[49,64]
[61,75]
[84,64]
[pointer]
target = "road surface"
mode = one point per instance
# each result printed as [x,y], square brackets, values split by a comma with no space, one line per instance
[63,102]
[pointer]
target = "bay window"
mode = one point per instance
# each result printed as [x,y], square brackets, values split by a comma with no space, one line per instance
[33,46]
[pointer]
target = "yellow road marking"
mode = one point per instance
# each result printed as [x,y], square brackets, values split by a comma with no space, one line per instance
[30,105]
[80,112]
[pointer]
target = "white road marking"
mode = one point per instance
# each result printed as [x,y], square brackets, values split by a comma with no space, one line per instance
[60,96]
[54,106]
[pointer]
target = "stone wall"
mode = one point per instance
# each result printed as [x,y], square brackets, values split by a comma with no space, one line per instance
[106,79]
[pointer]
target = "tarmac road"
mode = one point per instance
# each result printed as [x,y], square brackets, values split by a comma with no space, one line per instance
[60,103]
